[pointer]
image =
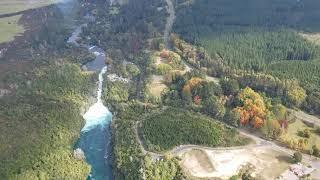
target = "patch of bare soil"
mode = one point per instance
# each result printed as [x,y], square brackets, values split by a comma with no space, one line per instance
[213,79]
[197,161]
[157,86]
[312,37]
[223,164]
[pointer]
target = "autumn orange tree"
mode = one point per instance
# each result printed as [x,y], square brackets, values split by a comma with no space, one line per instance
[193,82]
[190,86]
[252,109]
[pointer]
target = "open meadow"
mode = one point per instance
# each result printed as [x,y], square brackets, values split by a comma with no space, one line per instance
[11,12]
[13,6]
[10,28]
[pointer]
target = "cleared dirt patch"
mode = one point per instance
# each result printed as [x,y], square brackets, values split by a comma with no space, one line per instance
[156,87]
[314,37]
[197,161]
[213,79]
[268,163]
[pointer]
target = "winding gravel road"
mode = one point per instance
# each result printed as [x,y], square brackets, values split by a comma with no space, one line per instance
[170,22]
[259,143]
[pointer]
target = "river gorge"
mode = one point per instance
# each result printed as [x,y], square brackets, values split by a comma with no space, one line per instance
[96,134]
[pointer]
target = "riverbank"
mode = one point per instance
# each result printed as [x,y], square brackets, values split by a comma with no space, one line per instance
[95,136]
[41,122]
[40,118]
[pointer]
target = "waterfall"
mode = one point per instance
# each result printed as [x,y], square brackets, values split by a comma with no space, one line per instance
[103,71]
[96,134]
[98,114]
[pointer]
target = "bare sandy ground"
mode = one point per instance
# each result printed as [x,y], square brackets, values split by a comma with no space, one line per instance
[213,79]
[312,37]
[223,164]
[156,87]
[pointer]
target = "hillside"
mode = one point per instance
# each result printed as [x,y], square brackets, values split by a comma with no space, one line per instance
[159,90]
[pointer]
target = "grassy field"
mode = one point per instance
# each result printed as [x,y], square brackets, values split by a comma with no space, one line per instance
[13,6]
[9,26]
[297,126]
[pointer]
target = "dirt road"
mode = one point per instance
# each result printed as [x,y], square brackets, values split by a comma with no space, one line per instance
[305,117]
[259,143]
[169,24]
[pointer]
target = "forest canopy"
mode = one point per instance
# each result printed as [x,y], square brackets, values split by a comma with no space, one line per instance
[163,131]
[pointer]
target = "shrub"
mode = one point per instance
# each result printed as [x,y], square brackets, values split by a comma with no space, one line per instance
[271,129]
[317,130]
[214,107]
[163,69]
[315,151]
[305,133]
[232,118]
[235,177]
[297,157]
[230,86]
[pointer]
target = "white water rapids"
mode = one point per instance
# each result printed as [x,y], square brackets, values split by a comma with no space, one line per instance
[96,134]
[97,114]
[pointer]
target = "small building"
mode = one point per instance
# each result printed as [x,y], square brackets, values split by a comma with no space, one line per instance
[295,172]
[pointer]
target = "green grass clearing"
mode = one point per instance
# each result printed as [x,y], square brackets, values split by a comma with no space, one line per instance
[13,6]
[294,128]
[10,28]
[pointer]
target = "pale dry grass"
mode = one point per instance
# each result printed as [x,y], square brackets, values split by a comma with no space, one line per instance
[292,134]
[156,86]
[312,37]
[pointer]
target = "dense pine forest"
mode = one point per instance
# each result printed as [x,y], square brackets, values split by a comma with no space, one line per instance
[165,130]
[256,36]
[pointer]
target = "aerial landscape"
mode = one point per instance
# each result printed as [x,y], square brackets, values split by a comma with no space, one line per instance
[160,89]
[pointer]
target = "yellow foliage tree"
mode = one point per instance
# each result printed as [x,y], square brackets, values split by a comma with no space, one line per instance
[252,108]
[192,83]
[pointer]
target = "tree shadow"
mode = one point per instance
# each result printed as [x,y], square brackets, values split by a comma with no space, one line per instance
[284,158]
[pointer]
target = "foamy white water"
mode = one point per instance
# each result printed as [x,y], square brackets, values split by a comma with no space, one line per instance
[100,87]
[98,114]
[96,134]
